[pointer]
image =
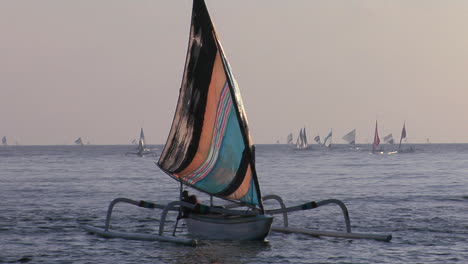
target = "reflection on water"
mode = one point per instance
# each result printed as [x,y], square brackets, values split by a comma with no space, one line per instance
[220,252]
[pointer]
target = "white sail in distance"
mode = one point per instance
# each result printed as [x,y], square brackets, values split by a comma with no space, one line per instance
[389,139]
[350,137]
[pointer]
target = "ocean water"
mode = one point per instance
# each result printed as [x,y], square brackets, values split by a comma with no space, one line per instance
[421,198]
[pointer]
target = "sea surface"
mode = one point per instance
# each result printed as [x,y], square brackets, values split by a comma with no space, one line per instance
[421,198]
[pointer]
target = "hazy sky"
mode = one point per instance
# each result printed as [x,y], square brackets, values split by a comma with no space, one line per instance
[102,69]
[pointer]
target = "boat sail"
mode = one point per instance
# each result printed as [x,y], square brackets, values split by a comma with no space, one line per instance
[389,139]
[327,141]
[350,137]
[141,149]
[4,141]
[376,139]
[301,141]
[403,134]
[317,139]
[141,143]
[79,141]
[209,148]
[403,137]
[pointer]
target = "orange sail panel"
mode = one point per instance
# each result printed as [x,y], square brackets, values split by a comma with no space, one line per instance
[209,146]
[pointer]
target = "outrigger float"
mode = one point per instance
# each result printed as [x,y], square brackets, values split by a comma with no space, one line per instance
[209,149]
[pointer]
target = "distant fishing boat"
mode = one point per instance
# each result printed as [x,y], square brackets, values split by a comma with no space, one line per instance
[403,137]
[141,143]
[141,149]
[4,141]
[79,141]
[301,141]
[209,149]
[376,143]
[350,137]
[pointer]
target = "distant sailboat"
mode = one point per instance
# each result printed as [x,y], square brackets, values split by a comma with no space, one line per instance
[4,141]
[79,141]
[327,142]
[376,139]
[403,136]
[389,139]
[301,142]
[350,137]
[141,142]
[141,149]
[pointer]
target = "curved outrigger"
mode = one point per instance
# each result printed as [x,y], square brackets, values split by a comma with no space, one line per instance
[227,211]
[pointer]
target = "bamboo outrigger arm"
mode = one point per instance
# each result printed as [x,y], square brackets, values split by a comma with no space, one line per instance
[311,205]
[136,236]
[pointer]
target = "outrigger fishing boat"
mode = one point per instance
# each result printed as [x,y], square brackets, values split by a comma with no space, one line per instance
[301,142]
[209,149]
[141,149]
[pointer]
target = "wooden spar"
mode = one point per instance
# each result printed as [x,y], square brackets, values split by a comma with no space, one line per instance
[311,232]
[311,205]
[137,236]
[307,206]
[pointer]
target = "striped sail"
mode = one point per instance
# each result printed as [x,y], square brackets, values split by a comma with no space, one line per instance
[209,147]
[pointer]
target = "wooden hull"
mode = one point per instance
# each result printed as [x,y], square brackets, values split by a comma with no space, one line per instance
[217,227]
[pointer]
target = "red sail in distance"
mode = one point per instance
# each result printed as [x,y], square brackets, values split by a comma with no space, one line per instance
[376,138]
